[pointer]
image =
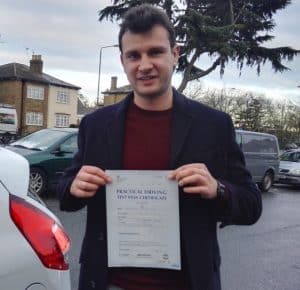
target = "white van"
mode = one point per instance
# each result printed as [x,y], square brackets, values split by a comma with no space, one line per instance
[8,123]
[261,153]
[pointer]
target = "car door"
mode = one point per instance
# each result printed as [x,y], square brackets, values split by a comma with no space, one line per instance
[62,157]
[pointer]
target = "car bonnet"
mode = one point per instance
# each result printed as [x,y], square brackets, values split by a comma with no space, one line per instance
[289,165]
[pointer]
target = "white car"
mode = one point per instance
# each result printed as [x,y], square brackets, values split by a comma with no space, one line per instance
[33,242]
[289,171]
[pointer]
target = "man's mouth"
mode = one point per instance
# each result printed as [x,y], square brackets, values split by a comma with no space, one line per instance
[146,78]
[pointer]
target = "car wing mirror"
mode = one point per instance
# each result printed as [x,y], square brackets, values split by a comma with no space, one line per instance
[57,151]
[66,149]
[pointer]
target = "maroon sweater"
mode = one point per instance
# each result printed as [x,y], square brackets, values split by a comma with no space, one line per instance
[147,146]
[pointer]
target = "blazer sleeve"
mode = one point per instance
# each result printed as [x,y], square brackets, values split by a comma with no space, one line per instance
[69,202]
[244,204]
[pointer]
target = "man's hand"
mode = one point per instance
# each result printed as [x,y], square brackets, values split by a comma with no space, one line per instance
[88,180]
[196,179]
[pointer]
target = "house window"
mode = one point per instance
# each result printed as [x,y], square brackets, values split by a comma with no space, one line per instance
[62,120]
[34,118]
[36,93]
[62,97]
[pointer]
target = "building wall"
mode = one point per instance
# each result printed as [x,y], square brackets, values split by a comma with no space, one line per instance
[113,98]
[15,93]
[58,108]
[33,105]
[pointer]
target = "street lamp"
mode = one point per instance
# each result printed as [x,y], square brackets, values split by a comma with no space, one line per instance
[100,56]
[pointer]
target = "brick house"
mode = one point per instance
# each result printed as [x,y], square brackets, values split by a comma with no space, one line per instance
[41,100]
[115,94]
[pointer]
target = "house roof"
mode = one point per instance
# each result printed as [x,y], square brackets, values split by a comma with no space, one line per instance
[120,90]
[17,71]
[82,109]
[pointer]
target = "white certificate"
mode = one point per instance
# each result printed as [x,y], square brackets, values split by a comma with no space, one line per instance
[142,209]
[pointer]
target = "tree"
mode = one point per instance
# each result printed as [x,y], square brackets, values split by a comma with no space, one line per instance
[224,30]
[86,101]
[251,111]
[222,100]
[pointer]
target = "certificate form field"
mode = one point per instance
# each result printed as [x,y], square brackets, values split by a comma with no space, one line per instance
[142,210]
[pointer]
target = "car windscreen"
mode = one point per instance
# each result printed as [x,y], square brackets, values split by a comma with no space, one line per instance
[290,156]
[40,140]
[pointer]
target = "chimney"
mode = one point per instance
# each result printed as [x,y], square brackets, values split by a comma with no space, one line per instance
[36,64]
[113,85]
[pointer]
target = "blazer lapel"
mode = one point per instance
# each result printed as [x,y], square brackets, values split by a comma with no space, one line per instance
[115,134]
[181,124]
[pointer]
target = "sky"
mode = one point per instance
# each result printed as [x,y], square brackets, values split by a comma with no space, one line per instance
[69,36]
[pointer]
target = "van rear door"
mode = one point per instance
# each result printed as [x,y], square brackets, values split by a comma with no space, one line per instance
[261,154]
[8,121]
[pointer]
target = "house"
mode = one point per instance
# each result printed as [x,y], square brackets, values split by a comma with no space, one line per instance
[82,110]
[115,94]
[41,100]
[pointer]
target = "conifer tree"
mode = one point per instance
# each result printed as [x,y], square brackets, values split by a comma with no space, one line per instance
[224,30]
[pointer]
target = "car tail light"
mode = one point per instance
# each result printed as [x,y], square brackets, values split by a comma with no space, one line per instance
[45,236]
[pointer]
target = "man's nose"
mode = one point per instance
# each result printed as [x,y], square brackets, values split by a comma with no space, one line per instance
[145,63]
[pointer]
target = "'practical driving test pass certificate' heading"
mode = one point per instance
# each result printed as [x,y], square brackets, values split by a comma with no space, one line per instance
[142,220]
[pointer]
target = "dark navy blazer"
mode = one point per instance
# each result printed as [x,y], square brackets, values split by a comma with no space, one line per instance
[199,134]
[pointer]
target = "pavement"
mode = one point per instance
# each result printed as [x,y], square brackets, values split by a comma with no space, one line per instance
[265,256]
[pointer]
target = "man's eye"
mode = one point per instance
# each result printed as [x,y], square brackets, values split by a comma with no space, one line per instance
[156,52]
[133,56]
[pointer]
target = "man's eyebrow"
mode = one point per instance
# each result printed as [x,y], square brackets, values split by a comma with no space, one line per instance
[153,48]
[158,48]
[130,52]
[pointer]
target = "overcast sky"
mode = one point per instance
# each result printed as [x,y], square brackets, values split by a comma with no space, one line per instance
[68,35]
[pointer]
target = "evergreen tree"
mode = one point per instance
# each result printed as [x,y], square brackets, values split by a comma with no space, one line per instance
[225,30]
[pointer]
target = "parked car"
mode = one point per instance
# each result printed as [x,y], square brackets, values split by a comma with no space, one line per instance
[289,169]
[33,242]
[261,153]
[49,152]
[291,146]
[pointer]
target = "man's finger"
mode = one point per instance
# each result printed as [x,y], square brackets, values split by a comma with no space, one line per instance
[87,186]
[195,179]
[92,178]
[96,171]
[175,172]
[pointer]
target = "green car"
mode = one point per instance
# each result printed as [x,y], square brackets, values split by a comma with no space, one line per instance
[49,152]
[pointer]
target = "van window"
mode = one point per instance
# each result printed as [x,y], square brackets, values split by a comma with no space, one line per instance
[6,118]
[261,144]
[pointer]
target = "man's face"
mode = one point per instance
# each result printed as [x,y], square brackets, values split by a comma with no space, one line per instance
[149,61]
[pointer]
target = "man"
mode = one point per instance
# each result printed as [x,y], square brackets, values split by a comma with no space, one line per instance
[157,128]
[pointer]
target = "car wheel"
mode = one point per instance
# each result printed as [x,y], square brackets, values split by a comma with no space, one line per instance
[37,181]
[267,182]
[6,138]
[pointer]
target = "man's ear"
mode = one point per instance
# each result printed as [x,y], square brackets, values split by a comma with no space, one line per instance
[176,52]
[121,59]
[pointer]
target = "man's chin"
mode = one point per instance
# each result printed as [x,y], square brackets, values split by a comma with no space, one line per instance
[151,94]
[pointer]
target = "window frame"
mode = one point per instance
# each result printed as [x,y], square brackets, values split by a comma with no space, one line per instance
[63,97]
[60,117]
[37,119]
[35,92]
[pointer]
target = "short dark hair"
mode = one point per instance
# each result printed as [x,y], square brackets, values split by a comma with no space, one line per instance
[143,18]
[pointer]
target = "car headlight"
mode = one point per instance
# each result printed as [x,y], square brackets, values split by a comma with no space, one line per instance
[295,171]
